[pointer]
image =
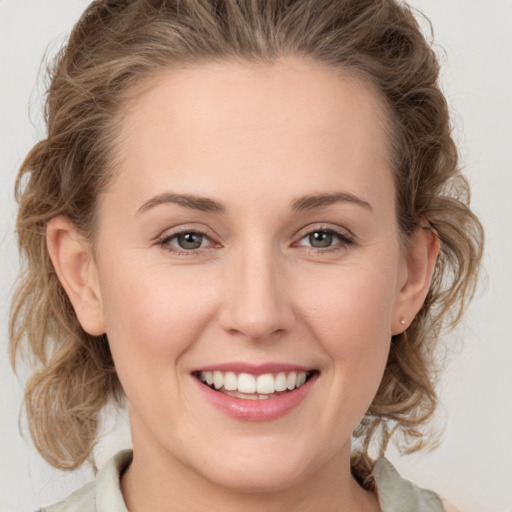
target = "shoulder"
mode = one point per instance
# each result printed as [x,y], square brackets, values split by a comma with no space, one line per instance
[399,495]
[82,500]
[104,493]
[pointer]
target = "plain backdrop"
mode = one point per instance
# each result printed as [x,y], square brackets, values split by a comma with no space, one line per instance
[473,466]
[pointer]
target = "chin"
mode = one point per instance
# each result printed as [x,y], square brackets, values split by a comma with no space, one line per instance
[268,463]
[257,477]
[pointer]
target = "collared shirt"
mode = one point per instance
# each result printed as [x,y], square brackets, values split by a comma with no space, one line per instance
[104,493]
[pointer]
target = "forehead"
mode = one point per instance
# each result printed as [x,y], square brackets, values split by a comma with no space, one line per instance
[203,124]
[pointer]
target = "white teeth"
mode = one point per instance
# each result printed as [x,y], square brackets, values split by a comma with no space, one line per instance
[252,396]
[246,383]
[265,384]
[218,380]
[281,381]
[253,387]
[291,381]
[230,381]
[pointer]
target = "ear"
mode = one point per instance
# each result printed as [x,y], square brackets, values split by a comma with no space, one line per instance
[422,251]
[72,258]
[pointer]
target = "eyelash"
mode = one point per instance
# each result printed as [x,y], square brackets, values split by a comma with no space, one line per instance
[344,241]
[165,242]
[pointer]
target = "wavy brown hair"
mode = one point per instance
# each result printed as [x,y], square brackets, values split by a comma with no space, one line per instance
[114,49]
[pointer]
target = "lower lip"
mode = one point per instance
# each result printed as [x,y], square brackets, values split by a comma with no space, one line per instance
[257,410]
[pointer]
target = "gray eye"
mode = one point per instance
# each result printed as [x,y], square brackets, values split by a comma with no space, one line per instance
[320,239]
[189,240]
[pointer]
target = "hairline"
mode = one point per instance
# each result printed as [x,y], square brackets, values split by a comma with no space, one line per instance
[142,85]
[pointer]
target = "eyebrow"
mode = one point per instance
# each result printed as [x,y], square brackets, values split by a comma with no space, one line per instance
[318,200]
[203,204]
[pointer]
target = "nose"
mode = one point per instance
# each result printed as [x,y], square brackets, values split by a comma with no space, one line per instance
[256,303]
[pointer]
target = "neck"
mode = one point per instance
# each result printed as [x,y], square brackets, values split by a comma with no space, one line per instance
[169,485]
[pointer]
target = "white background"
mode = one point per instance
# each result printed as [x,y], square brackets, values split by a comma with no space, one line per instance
[473,466]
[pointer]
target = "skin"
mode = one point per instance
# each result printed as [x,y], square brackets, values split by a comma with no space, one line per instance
[254,138]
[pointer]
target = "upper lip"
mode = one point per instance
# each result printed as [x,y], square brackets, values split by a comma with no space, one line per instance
[254,369]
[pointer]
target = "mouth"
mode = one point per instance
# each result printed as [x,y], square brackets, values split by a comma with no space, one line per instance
[249,386]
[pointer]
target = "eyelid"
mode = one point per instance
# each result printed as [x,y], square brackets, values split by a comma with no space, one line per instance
[337,230]
[164,239]
[344,235]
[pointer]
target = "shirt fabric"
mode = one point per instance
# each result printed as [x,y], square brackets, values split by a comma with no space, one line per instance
[104,493]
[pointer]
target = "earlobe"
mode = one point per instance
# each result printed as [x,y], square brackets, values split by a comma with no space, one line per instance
[74,264]
[422,253]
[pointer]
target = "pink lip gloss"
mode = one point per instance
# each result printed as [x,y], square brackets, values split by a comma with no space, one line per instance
[257,409]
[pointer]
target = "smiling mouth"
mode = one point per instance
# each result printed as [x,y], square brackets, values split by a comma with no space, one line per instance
[254,387]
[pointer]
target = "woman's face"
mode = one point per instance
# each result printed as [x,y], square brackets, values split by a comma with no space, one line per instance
[249,236]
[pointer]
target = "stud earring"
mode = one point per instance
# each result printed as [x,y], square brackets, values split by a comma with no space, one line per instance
[402,321]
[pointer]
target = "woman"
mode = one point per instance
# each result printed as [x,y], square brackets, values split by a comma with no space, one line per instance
[248,219]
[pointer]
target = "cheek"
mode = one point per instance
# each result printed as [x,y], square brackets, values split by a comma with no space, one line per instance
[153,316]
[353,303]
[355,333]
[350,313]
